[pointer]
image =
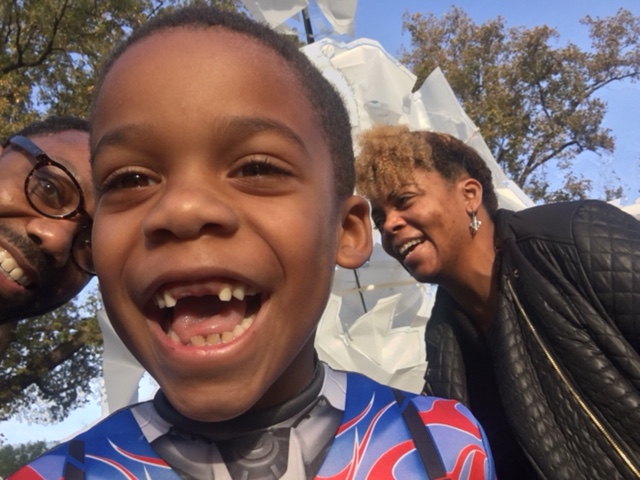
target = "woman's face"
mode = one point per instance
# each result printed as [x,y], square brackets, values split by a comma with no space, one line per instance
[424,224]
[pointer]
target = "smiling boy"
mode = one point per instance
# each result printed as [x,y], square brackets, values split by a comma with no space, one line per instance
[223,166]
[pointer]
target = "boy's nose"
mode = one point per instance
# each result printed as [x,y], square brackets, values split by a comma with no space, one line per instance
[53,236]
[184,212]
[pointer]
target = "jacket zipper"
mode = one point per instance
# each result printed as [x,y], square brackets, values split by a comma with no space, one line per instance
[568,385]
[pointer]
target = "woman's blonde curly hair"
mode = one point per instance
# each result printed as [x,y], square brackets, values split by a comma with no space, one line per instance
[390,153]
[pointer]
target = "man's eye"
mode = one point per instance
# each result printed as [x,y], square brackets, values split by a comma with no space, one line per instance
[50,190]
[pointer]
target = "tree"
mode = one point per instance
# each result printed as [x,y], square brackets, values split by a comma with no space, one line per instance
[535,102]
[52,49]
[13,457]
[50,363]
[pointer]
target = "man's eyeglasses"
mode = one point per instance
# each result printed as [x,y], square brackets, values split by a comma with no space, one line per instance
[54,192]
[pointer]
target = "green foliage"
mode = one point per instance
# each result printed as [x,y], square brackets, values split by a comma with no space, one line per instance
[12,457]
[52,49]
[534,101]
[51,362]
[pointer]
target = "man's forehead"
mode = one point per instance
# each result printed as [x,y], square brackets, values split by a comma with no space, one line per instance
[71,149]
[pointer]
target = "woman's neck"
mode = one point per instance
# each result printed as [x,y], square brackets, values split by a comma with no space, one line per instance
[474,284]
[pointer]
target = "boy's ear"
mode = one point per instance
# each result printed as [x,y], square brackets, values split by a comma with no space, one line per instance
[472,191]
[355,242]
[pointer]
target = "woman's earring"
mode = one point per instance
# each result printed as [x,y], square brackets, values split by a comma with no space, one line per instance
[474,226]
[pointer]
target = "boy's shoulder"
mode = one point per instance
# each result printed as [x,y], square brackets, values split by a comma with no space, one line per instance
[383,433]
[116,443]
[390,432]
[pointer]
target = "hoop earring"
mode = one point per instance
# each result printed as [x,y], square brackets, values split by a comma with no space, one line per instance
[474,226]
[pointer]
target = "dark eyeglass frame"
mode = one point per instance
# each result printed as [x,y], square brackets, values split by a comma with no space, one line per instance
[43,160]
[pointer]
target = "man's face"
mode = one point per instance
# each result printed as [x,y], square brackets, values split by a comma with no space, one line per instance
[215,233]
[37,270]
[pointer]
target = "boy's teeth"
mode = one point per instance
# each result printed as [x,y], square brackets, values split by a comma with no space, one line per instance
[159,300]
[227,337]
[167,300]
[174,336]
[215,338]
[239,292]
[225,294]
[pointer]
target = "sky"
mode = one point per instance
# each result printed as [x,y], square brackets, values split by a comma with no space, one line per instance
[381,20]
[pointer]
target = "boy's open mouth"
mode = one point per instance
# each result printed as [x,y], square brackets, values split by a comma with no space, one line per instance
[205,315]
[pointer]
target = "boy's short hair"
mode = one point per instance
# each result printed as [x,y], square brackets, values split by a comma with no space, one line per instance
[390,153]
[324,98]
[50,125]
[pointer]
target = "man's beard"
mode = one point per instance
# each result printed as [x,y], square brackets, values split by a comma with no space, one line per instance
[12,306]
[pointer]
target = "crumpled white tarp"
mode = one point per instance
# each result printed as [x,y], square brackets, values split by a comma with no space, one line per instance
[274,12]
[376,317]
[339,13]
[122,372]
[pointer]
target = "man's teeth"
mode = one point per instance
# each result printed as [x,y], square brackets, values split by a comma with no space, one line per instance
[228,291]
[10,268]
[404,248]
[215,338]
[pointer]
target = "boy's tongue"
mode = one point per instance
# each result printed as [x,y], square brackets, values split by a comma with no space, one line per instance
[206,315]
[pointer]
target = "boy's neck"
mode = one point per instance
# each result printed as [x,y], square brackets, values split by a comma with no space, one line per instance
[251,420]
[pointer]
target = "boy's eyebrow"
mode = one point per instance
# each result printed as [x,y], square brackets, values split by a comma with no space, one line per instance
[247,126]
[233,126]
[119,136]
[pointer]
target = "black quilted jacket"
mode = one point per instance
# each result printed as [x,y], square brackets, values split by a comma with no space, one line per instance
[556,380]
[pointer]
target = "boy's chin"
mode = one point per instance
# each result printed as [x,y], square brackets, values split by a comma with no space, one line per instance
[211,411]
[217,401]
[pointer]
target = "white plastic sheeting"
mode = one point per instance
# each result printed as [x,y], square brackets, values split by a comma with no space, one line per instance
[274,12]
[377,89]
[339,13]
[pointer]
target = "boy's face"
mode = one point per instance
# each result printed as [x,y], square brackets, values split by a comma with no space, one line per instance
[214,180]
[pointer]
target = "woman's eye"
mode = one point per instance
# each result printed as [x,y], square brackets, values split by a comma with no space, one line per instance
[402,200]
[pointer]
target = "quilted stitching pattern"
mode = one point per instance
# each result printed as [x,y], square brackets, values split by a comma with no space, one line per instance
[576,339]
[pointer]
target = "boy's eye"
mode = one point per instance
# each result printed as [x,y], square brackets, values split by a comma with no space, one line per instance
[260,167]
[127,180]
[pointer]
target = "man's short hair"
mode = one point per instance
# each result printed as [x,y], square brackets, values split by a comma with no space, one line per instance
[52,124]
